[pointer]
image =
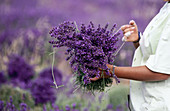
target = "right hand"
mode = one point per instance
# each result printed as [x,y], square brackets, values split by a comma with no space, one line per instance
[132,29]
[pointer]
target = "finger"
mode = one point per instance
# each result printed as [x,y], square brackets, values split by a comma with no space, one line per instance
[124,39]
[94,79]
[133,23]
[129,29]
[125,27]
[127,34]
[100,69]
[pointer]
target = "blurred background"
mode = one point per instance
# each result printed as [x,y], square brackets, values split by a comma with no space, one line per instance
[25,60]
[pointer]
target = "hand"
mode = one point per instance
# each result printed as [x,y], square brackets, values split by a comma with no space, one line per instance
[130,31]
[102,72]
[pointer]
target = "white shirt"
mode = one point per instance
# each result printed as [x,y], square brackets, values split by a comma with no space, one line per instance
[154,52]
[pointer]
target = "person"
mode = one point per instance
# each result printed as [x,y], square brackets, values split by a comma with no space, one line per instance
[150,71]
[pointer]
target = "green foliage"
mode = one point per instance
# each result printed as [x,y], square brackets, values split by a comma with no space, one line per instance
[98,85]
[118,95]
[17,95]
[82,100]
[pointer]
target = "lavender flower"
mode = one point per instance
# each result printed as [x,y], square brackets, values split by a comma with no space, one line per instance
[74,105]
[46,73]
[86,80]
[44,107]
[2,77]
[109,106]
[1,105]
[119,108]
[42,91]
[19,70]
[55,107]
[10,106]
[85,109]
[67,107]
[100,97]
[23,107]
[88,48]
[41,87]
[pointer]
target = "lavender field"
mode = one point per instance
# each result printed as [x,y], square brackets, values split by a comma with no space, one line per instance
[26,82]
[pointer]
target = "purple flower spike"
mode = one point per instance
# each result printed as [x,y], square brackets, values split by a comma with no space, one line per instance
[42,91]
[44,107]
[23,107]
[74,105]
[67,107]
[19,71]
[85,109]
[46,73]
[2,77]
[1,105]
[119,108]
[109,106]
[11,101]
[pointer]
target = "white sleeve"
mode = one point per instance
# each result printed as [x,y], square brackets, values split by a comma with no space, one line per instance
[160,61]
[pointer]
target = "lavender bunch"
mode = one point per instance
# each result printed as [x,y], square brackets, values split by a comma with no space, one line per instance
[88,50]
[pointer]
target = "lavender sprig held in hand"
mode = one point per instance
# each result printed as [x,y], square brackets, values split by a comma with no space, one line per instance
[88,50]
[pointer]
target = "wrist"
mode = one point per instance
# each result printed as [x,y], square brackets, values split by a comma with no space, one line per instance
[138,38]
[112,70]
[114,75]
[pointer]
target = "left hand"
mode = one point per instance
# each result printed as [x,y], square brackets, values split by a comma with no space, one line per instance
[102,72]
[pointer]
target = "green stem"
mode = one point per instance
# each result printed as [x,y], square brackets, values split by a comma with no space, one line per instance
[77,30]
[103,79]
[54,81]
[52,68]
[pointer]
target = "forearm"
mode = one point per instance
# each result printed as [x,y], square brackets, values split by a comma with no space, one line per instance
[141,73]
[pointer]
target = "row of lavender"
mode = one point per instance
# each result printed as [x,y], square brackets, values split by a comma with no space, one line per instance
[26,23]
[24,107]
[21,74]
[30,91]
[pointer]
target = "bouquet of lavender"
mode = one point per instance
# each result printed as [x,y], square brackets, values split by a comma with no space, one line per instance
[88,50]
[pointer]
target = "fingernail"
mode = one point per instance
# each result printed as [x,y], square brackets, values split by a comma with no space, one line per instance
[131,31]
[122,26]
[133,28]
[123,39]
[127,34]
[132,21]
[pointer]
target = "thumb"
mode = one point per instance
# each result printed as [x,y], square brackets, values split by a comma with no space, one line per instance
[94,79]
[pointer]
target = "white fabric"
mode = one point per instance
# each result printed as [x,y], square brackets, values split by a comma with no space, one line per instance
[154,52]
